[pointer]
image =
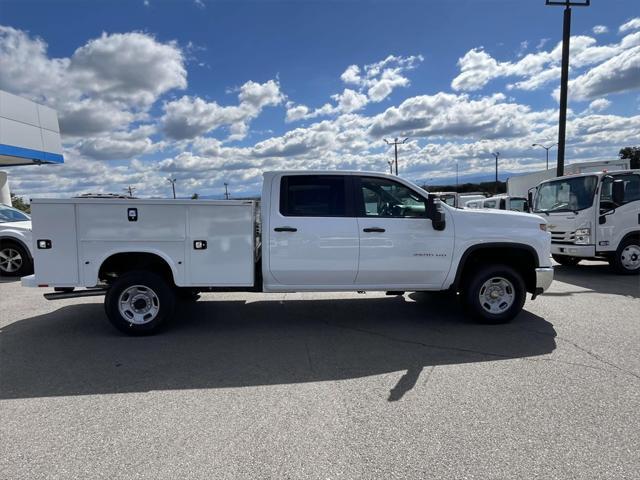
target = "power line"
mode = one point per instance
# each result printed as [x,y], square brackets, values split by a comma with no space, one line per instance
[395,144]
[564,77]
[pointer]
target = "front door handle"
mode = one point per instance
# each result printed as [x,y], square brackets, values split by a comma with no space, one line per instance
[285,229]
[374,229]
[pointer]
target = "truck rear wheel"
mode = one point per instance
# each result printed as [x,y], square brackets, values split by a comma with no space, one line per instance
[139,303]
[626,260]
[566,260]
[495,294]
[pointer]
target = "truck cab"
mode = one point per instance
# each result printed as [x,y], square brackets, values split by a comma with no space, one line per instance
[593,216]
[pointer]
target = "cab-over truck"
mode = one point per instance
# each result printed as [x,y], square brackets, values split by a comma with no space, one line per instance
[314,231]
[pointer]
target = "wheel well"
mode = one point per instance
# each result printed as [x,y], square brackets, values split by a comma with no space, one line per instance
[16,241]
[120,263]
[520,258]
[629,235]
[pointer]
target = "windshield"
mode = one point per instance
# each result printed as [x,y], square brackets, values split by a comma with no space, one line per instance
[566,195]
[9,214]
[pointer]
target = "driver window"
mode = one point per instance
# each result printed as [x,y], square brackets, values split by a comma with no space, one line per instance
[385,198]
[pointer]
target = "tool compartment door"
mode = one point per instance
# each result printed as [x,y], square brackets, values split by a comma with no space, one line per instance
[220,245]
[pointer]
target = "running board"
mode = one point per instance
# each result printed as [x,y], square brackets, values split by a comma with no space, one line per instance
[91,292]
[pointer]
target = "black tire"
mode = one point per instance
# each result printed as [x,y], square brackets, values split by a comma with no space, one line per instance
[566,260]
[627,253]
[11,254]
[514,287]
[154,295]
[187,295]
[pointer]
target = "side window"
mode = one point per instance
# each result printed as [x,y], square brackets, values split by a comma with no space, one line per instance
[313,196]
[518,204]
[380,197]
[631,189]
[490,204]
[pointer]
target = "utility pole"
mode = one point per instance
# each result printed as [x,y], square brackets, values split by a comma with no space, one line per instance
[226,191]
[497,154]
[395,144]
[130,190]
[564,77]
[172,181]
[456,176]
[546,148]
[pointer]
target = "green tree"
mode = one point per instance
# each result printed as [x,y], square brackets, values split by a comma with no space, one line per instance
[195,196]
[632,154]
[20,204]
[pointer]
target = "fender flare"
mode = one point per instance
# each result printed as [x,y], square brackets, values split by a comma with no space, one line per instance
[484,246]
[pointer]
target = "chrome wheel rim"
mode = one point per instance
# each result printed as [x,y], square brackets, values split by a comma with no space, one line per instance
[496,295]
[10,260]
[139,304]
[630,257]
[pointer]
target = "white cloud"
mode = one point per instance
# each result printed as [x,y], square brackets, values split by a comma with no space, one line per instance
[600,29]
[106,85]
[598,105]
[633,24]
[381,78]
[478,67]
[618,74]
[189,117]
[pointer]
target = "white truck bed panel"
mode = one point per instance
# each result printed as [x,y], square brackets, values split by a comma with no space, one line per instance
[85,232]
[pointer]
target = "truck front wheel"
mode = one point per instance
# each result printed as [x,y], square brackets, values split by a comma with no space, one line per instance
[139,303]
[626,260]
[495,294]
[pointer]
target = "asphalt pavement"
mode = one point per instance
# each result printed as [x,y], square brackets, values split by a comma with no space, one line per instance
[326,386]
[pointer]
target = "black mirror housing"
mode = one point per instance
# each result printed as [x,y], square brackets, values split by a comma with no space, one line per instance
[617,192]
[436,215]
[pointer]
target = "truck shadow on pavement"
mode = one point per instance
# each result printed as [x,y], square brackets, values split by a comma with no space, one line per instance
[599,278]
[216,344]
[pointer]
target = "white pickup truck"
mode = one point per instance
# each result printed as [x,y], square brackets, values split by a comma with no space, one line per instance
[316,231]
[593,216]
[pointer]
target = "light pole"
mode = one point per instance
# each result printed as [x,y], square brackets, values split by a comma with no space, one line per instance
[226,191]
[456,176]
[172,181]
[564,76]
[395,144]
[546,148]
[130,190]
[390,162]
[496,154]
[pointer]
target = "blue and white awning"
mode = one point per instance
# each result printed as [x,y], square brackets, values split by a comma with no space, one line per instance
[29,132]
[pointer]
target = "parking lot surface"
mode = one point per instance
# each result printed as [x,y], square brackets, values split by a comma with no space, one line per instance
[327,386]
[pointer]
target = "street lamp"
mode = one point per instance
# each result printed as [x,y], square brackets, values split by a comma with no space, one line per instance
[172,181]
[546,148]
[496,154]
[390,162]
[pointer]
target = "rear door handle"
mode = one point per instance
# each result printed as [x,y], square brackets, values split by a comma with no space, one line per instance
[285,229]
[374,229]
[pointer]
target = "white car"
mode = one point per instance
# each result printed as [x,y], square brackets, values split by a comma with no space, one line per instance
[16,256]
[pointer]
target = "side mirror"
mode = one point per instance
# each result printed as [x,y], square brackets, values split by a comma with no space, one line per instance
[529,200]
[435,214]
[526,207]
[617,192]
[438,220]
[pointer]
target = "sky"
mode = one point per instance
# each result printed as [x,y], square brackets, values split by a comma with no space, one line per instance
[215,91]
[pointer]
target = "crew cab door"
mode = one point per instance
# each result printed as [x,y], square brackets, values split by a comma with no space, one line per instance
[619,220]
[398,244]
[313,236]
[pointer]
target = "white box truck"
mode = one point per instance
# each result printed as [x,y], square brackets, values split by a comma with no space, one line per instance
[519,185]
[316,231]
[593,216]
